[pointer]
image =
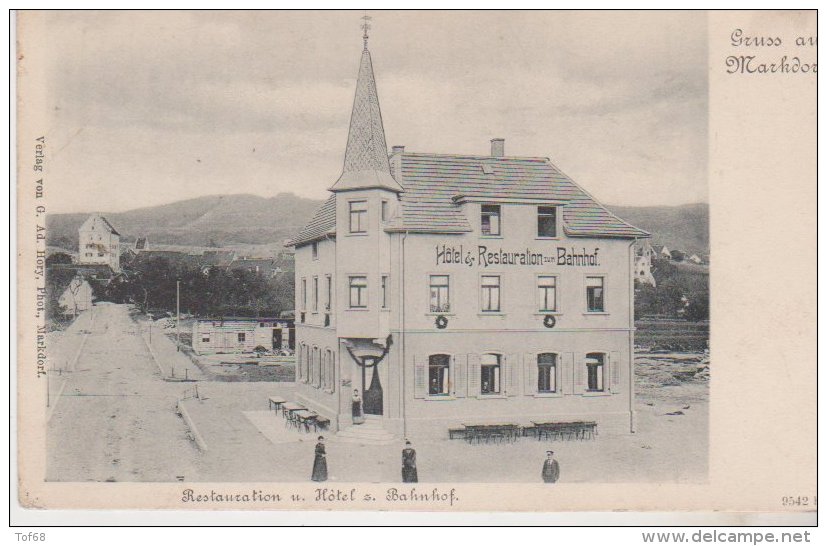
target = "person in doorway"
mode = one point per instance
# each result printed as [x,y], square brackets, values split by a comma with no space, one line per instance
[551,469]
[356,405]
[409,464]
[320,463]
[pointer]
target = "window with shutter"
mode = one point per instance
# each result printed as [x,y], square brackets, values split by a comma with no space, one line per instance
[420,376]
[474,388]
[512,370]
[568,373]
[460,373]
[529,374]
[616,365]
[579,373]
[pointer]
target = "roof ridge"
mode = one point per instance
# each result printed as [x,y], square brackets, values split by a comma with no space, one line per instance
[478,157]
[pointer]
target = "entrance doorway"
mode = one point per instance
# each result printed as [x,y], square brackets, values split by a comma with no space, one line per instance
[277,339]
[372,395]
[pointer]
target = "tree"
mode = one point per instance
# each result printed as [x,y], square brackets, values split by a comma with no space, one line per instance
[58,258]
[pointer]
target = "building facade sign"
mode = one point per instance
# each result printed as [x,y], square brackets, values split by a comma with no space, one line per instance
[485,256]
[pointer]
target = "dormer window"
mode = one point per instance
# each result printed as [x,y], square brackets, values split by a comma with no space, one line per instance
[490,220]
[358,216]
[546,221]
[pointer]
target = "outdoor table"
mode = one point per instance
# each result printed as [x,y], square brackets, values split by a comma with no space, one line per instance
[288,408]
[276,402]
[489,431]
[565,430]
[306,418]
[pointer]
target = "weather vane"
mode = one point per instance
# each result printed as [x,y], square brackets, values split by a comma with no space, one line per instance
[366,28]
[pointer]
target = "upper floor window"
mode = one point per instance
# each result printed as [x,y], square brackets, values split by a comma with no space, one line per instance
[438,366]
[547,293]
[315,294]
[490,288]
[358,292]
[595,369]
[315,250]
[490,220]
[440,294]
[384,210]
[547,372]
[546,221]
[358,216]
[490,366]
[595,297]
[242,337]
[304,293]
[329,301]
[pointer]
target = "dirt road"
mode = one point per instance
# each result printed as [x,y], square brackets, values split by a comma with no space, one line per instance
[115,419]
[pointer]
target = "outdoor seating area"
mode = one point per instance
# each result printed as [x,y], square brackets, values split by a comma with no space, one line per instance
[497,433]
[298,416]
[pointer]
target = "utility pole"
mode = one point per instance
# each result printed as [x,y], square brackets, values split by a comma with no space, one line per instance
[178,315]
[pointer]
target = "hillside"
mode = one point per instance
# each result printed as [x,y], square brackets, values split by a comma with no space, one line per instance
[216,220]
[235,221]
[685,227]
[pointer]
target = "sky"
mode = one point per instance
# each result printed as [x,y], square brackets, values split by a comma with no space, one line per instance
[147,108]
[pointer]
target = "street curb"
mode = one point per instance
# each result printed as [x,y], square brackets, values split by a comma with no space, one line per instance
[199,440]
[69,368]
[153,355]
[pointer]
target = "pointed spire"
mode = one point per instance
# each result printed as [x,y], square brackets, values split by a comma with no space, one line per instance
[366,156]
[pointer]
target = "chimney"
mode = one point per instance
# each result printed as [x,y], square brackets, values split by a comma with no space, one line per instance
[497,147]
[397,150]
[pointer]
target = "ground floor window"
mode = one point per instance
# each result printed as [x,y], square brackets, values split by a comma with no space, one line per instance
[328,373]
[317,368]
[595,368]
[438,368]
[547,372]
[490,367]
[242,337]
[205,339]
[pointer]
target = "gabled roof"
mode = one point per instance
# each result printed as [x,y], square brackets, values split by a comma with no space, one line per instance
[435,185]
[93,219]
[366,155]
[141,243]
[320,226]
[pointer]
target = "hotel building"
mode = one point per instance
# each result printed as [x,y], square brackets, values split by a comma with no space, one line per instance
[453,289]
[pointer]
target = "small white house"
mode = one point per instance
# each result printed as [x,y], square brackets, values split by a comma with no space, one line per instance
[77,297]
[99,243]
[241,335]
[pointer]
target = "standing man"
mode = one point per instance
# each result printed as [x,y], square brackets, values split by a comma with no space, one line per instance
[409,464]
[551,469]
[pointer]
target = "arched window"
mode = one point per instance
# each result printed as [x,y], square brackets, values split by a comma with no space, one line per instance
[546,372]
[490,373]
[596,371]
[438,374]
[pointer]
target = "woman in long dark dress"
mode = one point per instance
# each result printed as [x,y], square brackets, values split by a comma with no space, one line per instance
[320,463]
[409,464]
[356,408]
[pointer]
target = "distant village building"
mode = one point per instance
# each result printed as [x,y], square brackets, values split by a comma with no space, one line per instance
[77,297]
[242,335]
[643,264]
[451,289]
[99,243]
[266,267]
[694,258]
[662,252]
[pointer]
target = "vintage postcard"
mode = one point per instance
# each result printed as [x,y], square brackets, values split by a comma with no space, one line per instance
[538,261]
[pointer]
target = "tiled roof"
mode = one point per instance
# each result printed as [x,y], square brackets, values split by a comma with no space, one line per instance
[91,220]
[435,183]
[366,154]
[322,223]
